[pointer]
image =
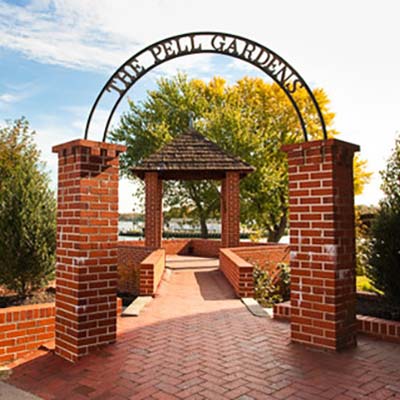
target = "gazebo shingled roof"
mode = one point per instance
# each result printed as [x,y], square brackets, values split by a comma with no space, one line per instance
[191,156]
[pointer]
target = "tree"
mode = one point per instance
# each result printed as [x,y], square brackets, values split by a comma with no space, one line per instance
[364,216]
[361,175]
[194,200]
[390,179]
[251,119]
[383,267]
[27,212]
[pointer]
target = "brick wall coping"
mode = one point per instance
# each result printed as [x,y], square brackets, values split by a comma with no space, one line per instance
[29,311]
[236,259]
[154,256]
[319,143]
[255,247]
[91,144]
[133,244]
[25,308]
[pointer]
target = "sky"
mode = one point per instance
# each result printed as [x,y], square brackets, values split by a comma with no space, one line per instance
[56,55]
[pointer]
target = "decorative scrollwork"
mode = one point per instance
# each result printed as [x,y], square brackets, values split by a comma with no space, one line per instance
[205,42]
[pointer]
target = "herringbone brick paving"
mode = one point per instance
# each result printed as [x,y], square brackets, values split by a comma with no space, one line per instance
[196,341]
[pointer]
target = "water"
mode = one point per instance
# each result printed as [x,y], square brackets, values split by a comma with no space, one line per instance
[124,226]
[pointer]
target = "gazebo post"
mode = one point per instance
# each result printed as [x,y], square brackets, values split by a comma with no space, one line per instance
[230,210]
[153,214]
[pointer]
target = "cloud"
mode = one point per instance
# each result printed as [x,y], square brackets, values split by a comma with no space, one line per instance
[242,66]
[56,33]
[11,97]
[86,35]
[53,129]
[8,98]
[100,35]
[11,93]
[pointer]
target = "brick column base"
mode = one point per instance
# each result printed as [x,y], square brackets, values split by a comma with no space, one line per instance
[87,234]
[322,241]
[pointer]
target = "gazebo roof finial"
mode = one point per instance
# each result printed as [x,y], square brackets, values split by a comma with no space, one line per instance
[191,119]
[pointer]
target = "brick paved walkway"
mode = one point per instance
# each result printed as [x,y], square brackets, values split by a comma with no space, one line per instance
[196,341]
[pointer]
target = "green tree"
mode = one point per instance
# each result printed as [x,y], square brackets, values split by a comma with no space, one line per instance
[194,200]
[383,268]
[251,119]
[27,212]
[364,215]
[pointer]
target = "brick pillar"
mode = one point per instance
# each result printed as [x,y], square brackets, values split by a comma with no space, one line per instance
[159,212]
[87,234]
[154,220]
[223,212]
[230,210]
[322,243]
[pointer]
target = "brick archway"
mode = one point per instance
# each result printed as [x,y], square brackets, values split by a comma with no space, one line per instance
[321,240]
[321,212]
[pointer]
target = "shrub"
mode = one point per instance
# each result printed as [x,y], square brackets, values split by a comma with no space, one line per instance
[383,268]
[270,289]
[363,237]
[27,212]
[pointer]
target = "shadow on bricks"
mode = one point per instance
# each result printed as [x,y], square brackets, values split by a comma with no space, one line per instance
[186,346]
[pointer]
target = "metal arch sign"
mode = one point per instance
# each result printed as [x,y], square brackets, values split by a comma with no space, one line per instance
[235,46]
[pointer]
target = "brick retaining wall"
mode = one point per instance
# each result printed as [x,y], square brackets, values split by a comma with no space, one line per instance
[237,264]
[151,272]
[371,326]
[205,247]
[265,256]
[129,260]
[196,247]
[176,246]
[25,328]
[140,268]
[238,272]
[136,274]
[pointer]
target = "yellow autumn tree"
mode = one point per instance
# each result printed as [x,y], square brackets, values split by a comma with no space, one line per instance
[251,119]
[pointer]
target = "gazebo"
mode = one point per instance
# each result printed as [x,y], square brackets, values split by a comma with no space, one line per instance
[191,156]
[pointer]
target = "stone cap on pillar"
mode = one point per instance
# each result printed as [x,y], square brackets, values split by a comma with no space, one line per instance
[319,151]
[110,150]
[288,148]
